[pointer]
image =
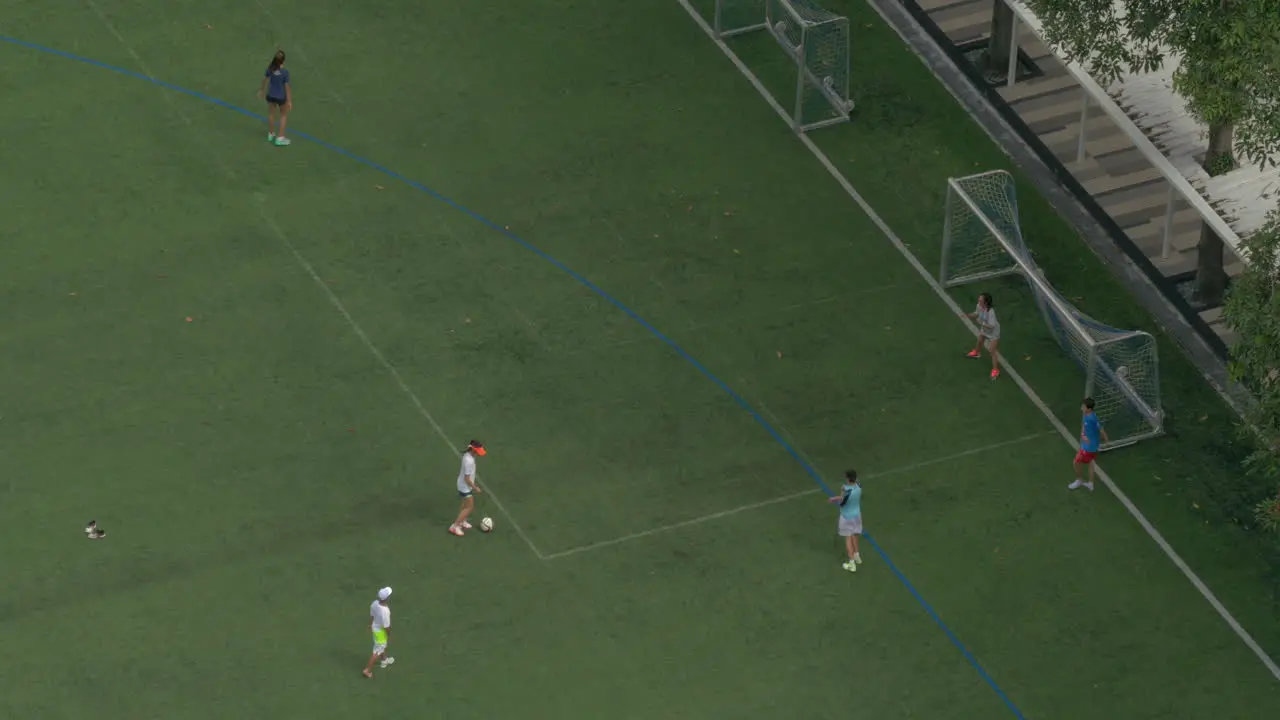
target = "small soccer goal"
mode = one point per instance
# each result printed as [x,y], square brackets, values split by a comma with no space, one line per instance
[816,40]
[983,240]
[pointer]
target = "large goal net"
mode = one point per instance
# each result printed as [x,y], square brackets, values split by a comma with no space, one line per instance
[983,240]
[815,39]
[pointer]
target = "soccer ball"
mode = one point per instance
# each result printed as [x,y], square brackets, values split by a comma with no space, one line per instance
[486,525]
[1122,372]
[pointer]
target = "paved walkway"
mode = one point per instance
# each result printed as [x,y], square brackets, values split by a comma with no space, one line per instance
[1122,181]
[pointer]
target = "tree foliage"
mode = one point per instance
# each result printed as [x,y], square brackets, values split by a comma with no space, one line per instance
[1253,311]
[1228,55]
[1229,50]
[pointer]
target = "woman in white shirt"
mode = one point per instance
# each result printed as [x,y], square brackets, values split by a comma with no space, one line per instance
[988,330]
[467,487]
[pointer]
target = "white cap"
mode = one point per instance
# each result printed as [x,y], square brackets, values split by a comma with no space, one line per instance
[384,593]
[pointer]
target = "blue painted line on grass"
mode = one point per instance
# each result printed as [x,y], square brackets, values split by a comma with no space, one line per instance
[809,469]
[946,630]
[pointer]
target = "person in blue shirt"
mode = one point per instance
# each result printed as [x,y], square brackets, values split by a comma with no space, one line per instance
[275,87]
[1091,437]
[850,524]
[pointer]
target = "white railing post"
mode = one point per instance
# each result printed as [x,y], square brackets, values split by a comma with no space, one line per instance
[798,118]
[1167,246]
[1013,51]
[1084,117]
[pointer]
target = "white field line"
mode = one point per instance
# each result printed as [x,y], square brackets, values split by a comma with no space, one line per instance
[674,526]
[297,47]
[784,498]
[391,369]
[142,64]
[333,298]
[1067,435]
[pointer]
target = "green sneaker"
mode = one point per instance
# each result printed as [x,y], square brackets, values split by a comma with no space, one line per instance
[850,566]
[282,141]
[271,137]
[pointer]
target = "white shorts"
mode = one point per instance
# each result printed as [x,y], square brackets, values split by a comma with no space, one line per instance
[379,648]
[848,527]
[992,337]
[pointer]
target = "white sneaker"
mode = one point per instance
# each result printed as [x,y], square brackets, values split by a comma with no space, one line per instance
[388,661]
[857,558]
[851,566]
[466,525]
[1076,485]
[1089,485]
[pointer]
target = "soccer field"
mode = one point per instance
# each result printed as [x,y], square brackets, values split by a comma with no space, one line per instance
[577,233]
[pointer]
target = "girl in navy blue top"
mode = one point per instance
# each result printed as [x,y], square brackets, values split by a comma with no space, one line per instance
[275,86]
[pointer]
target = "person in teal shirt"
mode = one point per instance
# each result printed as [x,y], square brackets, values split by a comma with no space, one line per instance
[850,524]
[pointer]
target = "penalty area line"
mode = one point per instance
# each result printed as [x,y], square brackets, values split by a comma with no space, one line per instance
[786,498]
[844,182]
[412,396]
[682,524]
[260,201]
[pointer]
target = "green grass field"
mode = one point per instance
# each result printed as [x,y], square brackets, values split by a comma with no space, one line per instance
[262,469]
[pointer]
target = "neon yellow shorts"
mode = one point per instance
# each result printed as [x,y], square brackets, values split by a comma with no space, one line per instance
[379,640]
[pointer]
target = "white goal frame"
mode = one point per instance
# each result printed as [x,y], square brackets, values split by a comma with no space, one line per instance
[735,17]
[808,34]
[1127,399]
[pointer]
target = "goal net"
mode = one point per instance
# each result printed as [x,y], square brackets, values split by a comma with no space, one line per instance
[815,39]
[982,240]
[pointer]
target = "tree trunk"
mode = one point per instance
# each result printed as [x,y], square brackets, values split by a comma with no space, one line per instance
[1211,276]
[996,58]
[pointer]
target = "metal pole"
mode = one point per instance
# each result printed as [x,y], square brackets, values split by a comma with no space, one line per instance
[1167,246]
[1084,117]
[946,238]
[1091,371]
[1013,51]
[799,87]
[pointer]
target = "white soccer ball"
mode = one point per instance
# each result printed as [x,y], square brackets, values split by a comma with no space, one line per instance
[1122,372]
[486,525]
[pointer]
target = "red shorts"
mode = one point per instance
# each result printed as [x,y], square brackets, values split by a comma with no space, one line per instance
[1084,458]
